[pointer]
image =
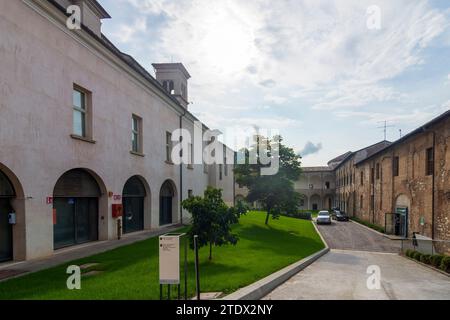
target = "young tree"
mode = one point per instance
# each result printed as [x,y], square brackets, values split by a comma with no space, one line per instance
[275,192]
[212,219]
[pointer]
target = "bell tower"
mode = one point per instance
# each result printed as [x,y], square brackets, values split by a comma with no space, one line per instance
[174,78]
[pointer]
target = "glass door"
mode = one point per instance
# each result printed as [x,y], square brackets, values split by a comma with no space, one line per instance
[76,221]
[133,214]
[6,250]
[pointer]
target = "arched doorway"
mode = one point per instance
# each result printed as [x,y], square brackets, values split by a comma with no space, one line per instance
[401,216]
[7,193]
[75,204]
[134,194]
[166,203]
[315,203]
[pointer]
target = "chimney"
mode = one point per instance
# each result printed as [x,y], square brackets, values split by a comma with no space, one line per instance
[174,78]
[92,13]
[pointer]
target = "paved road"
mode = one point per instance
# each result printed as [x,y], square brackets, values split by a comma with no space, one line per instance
[352,236]
[342,273]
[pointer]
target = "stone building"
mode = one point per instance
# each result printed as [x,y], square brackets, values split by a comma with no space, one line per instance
[85,129]
[317,185]
[402,186]
[346,177]
[405,187]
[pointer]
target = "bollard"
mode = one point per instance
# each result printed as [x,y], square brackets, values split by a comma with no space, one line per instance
[119,229]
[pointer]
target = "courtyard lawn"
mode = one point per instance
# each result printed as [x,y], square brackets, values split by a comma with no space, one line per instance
[131,272]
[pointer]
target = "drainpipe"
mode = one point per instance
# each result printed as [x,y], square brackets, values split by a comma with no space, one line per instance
[372,199]
[433,186]
[181,172]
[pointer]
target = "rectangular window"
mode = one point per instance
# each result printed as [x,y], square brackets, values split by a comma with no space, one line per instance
[80,112]
[372,203]
[396,166]
[361,202]
[136,134]
[430,162]
[327,185]
[372,175]
[378,171]
[220,171]
[190,193]
[362,177]
[191,156]
[169,147]
[225,160]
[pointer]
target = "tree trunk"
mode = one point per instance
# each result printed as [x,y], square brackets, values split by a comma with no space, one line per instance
[267,217]
[210,251]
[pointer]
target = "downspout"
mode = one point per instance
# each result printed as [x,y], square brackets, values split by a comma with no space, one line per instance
[433,187]
[372,200]
[181,172]
[234,180]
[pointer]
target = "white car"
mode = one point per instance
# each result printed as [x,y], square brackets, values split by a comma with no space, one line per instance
[323,218]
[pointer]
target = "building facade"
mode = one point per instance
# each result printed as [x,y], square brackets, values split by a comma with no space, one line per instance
[406,186]
[317,186]
[402,186]
[85,130]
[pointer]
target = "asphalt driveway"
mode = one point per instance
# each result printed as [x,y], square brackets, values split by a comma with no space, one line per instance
[352,236]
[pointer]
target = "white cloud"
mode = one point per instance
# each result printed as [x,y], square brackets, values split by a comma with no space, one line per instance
[126,32]
[303,44]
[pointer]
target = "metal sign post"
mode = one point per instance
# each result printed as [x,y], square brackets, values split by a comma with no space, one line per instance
[197,271]
[169,263]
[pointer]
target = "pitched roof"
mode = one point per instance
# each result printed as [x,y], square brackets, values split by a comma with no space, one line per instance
[421,129]
[317,169]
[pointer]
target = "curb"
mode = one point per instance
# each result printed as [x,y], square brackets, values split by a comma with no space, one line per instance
[373,230]
[263,287]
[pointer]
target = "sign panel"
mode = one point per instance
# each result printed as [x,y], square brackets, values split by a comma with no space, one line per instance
[169,259]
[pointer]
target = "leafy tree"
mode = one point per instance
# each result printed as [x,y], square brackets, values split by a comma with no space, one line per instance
[275,192]
[212,219]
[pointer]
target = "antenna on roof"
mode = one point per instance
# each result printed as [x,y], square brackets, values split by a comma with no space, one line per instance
[400,133]
[384,127]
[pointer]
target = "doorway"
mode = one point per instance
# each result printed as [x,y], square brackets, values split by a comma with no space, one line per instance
[75,209]
[7,193]
[166,204]
[133,205]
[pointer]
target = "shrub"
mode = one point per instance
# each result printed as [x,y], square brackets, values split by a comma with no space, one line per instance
[416,255]
[425,258]
[445,264]
[409,253]
[436,260]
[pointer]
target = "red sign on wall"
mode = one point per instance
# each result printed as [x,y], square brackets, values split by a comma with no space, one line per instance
[49,200]
[117,197]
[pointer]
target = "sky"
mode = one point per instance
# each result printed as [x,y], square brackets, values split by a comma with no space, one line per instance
[323,74]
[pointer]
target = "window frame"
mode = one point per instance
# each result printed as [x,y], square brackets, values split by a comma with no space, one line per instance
[396,166]
[85,110]
[429,161]
[137,133]
[169,146]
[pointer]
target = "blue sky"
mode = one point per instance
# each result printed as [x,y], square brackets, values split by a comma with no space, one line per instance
[310,69]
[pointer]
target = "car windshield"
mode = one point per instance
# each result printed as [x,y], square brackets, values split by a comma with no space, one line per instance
[323,213]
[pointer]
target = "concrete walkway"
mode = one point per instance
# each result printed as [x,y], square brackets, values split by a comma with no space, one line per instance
[342,273]
[14,269]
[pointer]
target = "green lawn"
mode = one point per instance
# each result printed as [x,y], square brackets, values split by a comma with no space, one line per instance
[131,272]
